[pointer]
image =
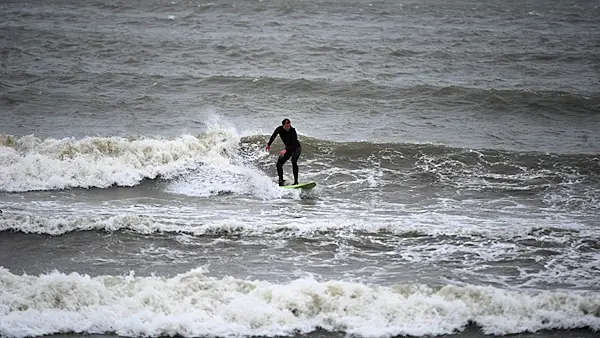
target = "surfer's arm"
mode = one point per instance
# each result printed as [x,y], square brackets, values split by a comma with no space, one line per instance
[275,133]
[272,138]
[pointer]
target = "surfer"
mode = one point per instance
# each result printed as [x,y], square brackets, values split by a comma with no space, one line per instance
[292,148]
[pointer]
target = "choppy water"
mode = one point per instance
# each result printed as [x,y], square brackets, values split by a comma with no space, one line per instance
[454,144]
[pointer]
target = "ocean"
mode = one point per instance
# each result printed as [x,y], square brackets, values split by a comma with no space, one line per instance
[454,144]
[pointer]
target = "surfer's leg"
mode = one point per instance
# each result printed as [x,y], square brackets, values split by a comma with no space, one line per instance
[295,163]
[280,163]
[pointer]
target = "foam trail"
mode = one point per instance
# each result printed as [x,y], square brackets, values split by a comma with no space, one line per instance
[227,175]
[194,304]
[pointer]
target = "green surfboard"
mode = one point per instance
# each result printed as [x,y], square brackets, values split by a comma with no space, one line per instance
[307,185]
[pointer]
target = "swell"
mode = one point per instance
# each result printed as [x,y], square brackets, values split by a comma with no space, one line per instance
[542,104]
[497,100]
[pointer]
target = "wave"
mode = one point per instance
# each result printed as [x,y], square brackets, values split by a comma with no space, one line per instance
[194,304]
[408,226]
[220,161]
[29,163]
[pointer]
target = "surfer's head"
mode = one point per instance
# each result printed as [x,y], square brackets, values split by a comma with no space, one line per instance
[287,124]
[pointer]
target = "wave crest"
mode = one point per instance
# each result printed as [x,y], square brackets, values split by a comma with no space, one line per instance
[29,163]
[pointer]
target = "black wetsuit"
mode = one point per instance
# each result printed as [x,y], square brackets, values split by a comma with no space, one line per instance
[292,149]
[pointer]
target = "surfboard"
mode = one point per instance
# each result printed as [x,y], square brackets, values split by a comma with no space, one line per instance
[306,185]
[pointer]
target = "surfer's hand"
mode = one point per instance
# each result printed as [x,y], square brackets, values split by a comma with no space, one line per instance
[268,147]
[281,153]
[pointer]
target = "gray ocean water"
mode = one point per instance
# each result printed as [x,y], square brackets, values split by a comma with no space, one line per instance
[454,144]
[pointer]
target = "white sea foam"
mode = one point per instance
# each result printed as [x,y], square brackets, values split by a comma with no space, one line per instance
[194,304]
[29,163]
